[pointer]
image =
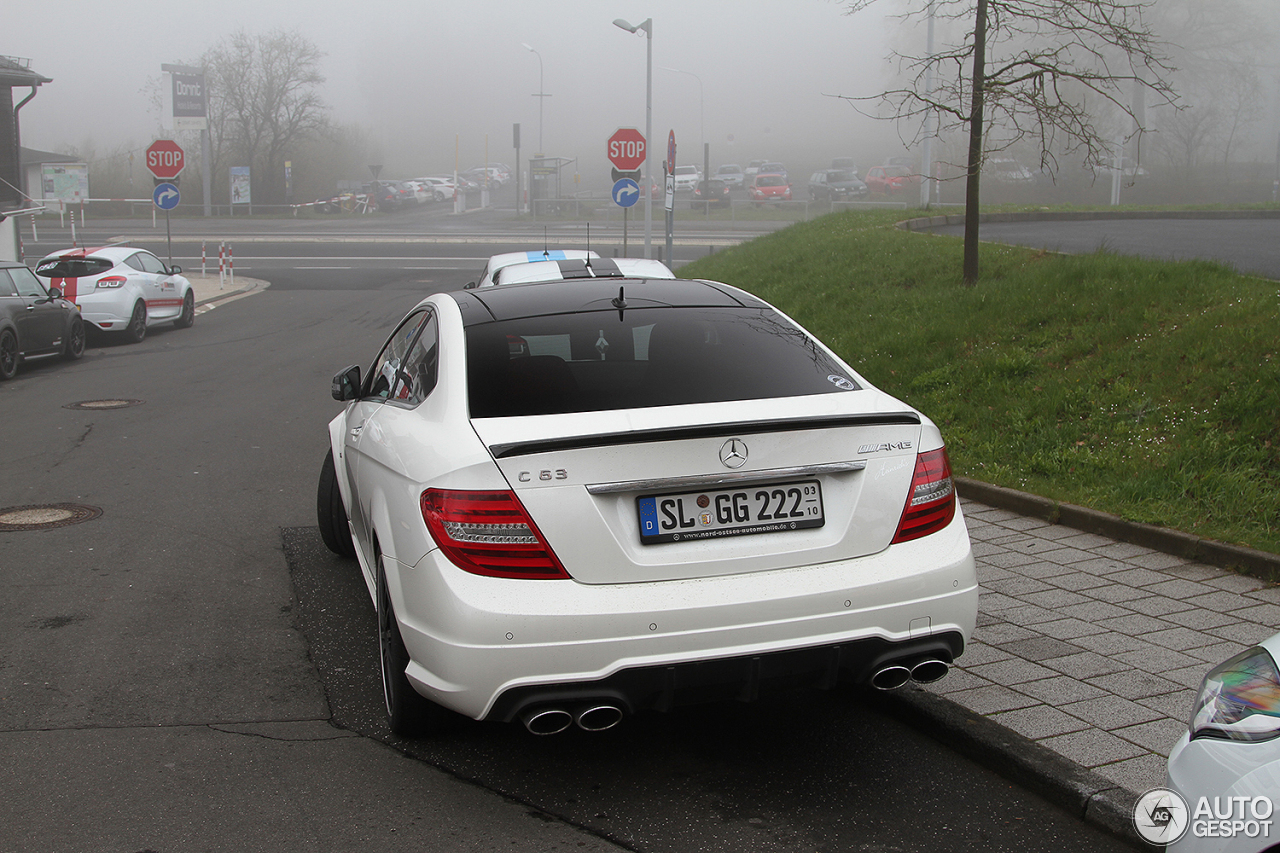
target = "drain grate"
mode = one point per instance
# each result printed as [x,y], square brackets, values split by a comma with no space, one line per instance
[45,516]
[98,405]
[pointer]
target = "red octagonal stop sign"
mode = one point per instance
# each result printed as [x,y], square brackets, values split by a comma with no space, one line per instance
[166,159]
[626,149]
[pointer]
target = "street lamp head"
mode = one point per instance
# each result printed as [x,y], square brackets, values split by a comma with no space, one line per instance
[528,47]
[647,26]
[618,22]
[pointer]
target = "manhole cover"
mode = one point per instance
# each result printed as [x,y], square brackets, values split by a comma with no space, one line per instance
[45,517]
[103,404]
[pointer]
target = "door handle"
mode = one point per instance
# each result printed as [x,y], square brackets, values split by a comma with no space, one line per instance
[355,430]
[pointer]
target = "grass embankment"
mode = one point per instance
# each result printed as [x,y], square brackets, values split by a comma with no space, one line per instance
[1146,389]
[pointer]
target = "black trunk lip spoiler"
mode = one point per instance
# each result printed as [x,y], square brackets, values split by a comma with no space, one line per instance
[507,450]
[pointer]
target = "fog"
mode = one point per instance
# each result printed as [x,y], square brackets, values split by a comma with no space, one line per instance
[428,80]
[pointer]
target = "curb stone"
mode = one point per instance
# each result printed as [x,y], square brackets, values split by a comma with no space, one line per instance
[1087,795]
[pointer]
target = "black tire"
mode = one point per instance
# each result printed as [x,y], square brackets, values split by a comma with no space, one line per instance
[409,713]
[439,196]
[188,315]
[331,515]
[8,354]
[74,348]
[137,328]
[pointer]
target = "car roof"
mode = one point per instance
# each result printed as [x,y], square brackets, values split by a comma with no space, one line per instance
[574,268]
[112,253]
[595,294]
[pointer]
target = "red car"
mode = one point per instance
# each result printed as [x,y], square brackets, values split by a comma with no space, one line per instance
[890,180]
[769,188]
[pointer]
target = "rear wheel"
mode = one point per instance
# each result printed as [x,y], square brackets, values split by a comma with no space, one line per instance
[75,340]
[331,515]
[188,315]
[8,354]
[137,328]
[408,712]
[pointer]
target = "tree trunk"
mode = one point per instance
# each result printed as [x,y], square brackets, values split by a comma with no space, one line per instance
[975,147]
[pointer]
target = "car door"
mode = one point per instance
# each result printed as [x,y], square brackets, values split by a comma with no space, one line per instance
[41,320]
[400,378]
[163,300]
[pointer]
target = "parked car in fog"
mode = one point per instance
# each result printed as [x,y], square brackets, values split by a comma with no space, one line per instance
[731,174]
[710,193]
[836,185]
[753,169]
[687,177]
[392,195]
[121,289]
[890,180]
[34,320]
[1007,170]
[769,188]
[441,189]
[574,501]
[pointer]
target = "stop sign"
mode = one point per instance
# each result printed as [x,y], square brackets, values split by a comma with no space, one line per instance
[626,149]
[165,159]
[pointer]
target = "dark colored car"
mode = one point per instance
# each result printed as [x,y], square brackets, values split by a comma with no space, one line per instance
[34,320]
[836,185]
[392,195]
[710,192]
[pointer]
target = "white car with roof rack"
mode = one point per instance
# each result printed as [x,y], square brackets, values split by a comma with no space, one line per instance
[567,270]
[121,289]
[506,259]
[576,501]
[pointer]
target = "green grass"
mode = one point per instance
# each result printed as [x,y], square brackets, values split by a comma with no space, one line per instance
[1146,389]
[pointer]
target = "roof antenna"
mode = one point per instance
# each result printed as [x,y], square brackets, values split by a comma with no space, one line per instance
[588,239]
[620,303]
[546,253]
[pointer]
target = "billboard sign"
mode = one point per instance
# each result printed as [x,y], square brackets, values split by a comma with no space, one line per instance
[186,101]
[64,181]
[240,185]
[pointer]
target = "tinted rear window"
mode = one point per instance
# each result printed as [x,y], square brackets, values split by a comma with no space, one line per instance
[597,361]
[73,267]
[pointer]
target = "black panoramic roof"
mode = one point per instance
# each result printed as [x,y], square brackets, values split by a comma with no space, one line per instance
[512,301]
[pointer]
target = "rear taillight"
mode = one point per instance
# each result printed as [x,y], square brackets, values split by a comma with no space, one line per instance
[931,503]
[489,533]
[111,281]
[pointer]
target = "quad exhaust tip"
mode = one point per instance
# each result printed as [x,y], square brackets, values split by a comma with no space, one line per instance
[591,717]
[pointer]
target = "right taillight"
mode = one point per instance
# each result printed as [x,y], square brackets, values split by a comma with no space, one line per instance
[489,533]
[111,281]
[931,503]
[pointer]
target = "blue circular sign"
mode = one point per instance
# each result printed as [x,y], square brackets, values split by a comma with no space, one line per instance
[626,192]
[166,196]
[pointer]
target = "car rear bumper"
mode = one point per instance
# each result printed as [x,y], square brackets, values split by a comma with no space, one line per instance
[489,647]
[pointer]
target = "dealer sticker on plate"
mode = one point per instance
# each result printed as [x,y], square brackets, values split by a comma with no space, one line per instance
[737,511]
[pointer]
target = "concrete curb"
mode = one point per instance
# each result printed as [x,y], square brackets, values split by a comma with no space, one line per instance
[924,223]
[1259,564]
[1088,795]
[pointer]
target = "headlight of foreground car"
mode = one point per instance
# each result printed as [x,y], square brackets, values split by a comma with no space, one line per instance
[1239,700]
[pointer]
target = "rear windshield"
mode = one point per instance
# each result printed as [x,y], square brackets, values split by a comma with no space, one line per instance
[770,181]
[596,361]
[73,267]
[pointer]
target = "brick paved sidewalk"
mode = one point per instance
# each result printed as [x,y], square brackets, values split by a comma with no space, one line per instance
[1095,648]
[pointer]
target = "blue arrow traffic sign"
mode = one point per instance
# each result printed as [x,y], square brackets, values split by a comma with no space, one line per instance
[626,192]
[165,196]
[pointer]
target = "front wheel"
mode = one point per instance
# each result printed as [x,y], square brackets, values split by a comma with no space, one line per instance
[188,315]
[408,712]
[8,354]
[137,328]
[74,348]
[331,515]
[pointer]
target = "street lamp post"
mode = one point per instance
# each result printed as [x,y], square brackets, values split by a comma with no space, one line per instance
[540,96]
[647,26]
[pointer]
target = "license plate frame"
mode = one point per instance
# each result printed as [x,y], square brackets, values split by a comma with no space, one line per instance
[683,516]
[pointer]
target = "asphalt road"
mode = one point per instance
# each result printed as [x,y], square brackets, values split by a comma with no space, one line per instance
[191,670]
[1247,245]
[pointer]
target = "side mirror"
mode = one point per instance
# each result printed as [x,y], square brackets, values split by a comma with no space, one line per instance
[55,293]
[175,269]
[471,285]
[346,385]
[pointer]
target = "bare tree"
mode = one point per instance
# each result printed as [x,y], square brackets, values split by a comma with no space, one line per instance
[263,103]
[1055,72]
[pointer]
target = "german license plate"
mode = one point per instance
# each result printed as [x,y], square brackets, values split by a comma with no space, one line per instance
[736,511]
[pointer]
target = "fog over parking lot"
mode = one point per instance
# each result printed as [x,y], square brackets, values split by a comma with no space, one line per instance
[418,77]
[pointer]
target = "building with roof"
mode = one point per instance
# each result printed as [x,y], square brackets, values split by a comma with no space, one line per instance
[15,73]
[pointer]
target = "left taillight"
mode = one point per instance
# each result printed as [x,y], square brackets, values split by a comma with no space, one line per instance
[111,281]
[489,533]
[931,503]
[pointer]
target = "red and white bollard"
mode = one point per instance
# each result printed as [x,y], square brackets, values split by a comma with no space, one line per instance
[222,264]
[35,238]
[231,264]
[202,257]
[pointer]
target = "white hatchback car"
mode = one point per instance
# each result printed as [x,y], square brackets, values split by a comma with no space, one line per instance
[120,288]
[567,270]
[506,259]
[575,501]
[1226,767]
